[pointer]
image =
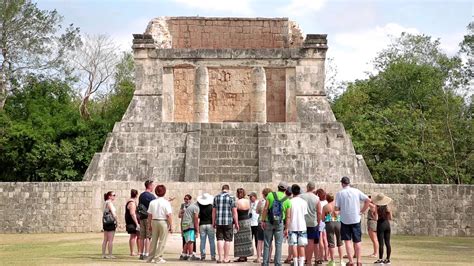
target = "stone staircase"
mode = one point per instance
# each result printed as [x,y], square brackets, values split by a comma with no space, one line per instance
[229,153]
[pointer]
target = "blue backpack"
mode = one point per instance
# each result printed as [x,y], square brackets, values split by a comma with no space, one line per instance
[275,213]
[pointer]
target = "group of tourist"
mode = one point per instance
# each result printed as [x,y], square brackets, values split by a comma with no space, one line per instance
[313,222]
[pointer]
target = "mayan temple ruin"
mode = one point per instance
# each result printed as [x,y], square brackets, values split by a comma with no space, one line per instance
[228,99]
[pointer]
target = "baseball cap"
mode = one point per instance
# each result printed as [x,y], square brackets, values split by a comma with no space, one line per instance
[252,194]
[345,180]
[283,184]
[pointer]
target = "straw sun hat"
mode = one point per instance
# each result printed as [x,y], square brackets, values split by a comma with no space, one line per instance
[380,199]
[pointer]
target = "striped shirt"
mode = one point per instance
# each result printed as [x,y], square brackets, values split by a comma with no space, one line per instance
[224,203]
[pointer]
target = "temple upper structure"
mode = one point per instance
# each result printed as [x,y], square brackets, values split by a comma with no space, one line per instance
[228,99]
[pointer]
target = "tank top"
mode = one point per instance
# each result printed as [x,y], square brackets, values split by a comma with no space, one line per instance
[370,215]
[330,218]
[128,215]
[112,207]
[243,214]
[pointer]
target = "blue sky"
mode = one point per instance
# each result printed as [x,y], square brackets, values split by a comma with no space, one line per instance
[356,30]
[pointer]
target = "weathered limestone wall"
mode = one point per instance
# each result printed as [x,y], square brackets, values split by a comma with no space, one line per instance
[436,210]
[183,94]
[138,150]
[276,94]
[200,32]
[229,94]
[321,151]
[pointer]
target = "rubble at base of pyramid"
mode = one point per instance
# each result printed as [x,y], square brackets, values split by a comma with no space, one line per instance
[228,99]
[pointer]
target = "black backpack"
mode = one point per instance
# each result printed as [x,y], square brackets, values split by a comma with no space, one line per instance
[275,213]
[142,211]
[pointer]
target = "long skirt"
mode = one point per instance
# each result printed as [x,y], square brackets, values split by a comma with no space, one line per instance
[243,240]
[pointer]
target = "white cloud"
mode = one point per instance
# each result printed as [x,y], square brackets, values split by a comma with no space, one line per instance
[240,7]
[297,8]
[353,51]
[450,42]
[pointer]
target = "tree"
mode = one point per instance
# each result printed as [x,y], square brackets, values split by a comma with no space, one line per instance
[31,41]
[407,119]
[95,64]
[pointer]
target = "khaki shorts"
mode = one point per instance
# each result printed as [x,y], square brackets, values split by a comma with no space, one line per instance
[144,233]
[372,225]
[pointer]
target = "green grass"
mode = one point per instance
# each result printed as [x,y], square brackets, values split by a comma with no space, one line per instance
[80,249]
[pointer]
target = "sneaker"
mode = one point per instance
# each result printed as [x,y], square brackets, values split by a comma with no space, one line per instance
[379,262]
[141,257]
[183,257]
[213,259]
[111,257]
[387,262]
[192,257]
[203,257]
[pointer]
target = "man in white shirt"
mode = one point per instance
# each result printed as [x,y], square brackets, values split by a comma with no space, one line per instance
[297,237]
[348,202]
[159,223]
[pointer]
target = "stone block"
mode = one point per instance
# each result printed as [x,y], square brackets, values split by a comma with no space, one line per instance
[314,109]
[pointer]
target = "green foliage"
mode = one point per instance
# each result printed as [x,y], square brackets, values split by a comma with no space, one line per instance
[43,137]
[407,121]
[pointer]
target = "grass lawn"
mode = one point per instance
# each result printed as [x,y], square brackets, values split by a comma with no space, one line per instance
[85,248]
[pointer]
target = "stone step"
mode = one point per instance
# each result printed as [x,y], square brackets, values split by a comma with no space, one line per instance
[147,142]
[228,162]
[150,127]
[228,178]
[228,154]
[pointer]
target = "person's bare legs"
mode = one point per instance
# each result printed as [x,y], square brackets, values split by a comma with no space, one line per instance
[104,244]
[323,245]
[131,244]
[309,251]
[110,239]
[226,250]
[220,249]
[291,250]
[358,249]
[300,253]
[146,246]
[375,242]
[339,251]
[317,254]
[259,250]
[140,245]
[331,253]
[348,245]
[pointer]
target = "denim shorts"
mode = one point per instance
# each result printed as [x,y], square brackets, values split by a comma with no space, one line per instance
[297,238]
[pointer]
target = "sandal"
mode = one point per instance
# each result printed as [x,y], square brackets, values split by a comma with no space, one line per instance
[241,260]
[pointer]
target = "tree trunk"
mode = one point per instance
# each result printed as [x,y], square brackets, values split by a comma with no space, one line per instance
[3,93]
[83,108]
